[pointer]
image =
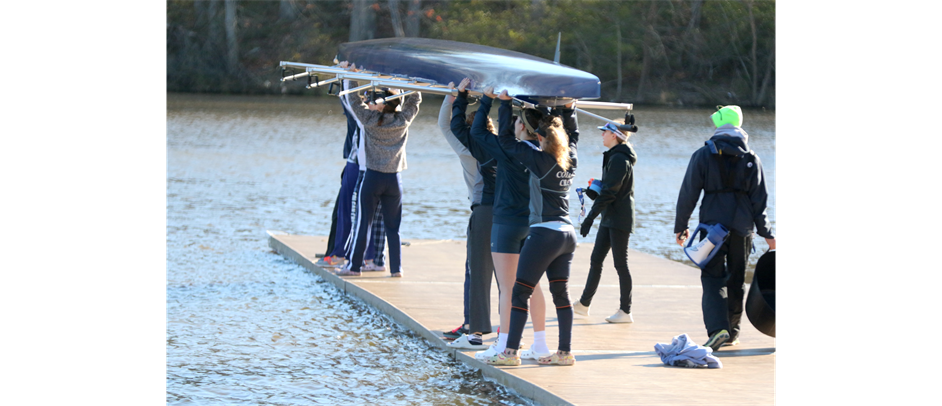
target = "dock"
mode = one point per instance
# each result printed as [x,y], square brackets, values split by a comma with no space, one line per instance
[615,363]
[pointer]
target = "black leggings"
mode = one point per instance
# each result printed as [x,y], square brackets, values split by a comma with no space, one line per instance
[545,251]
[617,241]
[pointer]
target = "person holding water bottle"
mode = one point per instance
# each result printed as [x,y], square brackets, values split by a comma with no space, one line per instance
[615,201]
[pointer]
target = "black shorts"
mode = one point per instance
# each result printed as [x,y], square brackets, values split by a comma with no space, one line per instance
[507,239]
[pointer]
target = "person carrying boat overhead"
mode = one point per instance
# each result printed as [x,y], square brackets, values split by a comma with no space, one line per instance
[735,195]
[511,215]
[479,264]
[346,210]
[551,239]
[386,130]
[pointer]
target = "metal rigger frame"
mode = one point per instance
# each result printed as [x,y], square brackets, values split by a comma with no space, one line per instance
[411,85]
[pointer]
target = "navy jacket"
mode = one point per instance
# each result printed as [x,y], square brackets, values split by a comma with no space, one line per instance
[511,190]
[739,205]
[548,183]
[486,162]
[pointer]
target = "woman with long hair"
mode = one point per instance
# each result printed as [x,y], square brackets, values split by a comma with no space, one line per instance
[510,224]
[551,240]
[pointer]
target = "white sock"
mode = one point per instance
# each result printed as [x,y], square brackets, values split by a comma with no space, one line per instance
[501,342]
[539,342]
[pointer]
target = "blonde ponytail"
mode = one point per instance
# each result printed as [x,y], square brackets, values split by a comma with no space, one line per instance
[555,141]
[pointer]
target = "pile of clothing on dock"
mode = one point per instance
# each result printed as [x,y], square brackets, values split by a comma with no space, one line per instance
[683,352]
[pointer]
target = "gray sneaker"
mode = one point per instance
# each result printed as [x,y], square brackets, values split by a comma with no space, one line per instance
[717,339]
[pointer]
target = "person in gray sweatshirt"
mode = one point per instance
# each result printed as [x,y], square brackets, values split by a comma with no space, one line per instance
[735,195]
[386,126]
[479,267]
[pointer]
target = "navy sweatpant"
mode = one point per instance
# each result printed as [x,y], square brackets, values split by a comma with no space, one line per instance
[375,233]
[345,209]
[385,188]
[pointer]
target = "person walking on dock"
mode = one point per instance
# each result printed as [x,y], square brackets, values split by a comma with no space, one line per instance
[615,201]
[735,195]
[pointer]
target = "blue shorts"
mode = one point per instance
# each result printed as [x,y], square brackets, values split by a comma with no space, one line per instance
[506,239]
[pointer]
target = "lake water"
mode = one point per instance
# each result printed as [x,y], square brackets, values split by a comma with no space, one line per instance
[245,326]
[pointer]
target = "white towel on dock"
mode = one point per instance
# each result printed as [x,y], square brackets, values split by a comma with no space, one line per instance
[682,349]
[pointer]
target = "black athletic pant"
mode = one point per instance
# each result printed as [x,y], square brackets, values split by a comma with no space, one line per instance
[723,281]
[546,251]
[617,241]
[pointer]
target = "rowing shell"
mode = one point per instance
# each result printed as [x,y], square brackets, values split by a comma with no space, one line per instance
[428,65]
[441,61]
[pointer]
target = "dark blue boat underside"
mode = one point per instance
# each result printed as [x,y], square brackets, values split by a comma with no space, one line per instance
[440,61]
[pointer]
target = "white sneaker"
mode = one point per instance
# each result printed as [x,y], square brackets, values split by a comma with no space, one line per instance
[580,310]
[530,354]
[371,267]
[620,317]
[464,343]
[489,352]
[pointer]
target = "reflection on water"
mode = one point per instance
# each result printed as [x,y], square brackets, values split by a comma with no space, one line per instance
[248,327]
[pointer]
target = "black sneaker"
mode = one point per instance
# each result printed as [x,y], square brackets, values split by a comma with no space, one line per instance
[453,334]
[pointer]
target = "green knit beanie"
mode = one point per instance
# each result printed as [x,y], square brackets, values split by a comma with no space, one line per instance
[727,115]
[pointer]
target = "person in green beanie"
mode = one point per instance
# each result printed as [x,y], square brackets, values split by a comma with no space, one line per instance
[735,195]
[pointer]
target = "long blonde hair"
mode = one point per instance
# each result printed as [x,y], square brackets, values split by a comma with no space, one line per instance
[555,141]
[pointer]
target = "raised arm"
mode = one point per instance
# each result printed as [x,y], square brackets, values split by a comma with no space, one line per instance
[445,125]
[480,135]
[524,152]
[459,125]
[570,124]
[568,114]
[352,100]
[469,164]
[410,106]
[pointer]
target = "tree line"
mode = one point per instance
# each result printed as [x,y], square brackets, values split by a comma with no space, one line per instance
[668,52]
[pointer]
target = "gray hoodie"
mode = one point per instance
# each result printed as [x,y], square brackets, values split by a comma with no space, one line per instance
[472,175]
[386,143]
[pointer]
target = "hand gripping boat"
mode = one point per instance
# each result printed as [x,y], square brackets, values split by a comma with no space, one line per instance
[428,65]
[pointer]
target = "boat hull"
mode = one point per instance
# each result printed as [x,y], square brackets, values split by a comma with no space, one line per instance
[441,61]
